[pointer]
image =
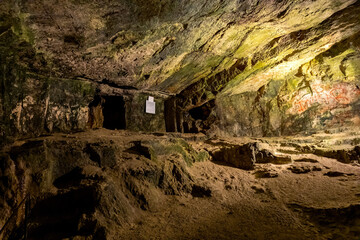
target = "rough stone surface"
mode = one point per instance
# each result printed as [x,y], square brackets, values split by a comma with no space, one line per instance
[234,68]
[220,69]
[77,187]
[138,120]
[104,184]
[245,156]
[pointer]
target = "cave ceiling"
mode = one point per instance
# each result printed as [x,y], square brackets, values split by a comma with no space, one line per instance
[169,45]
[250,67]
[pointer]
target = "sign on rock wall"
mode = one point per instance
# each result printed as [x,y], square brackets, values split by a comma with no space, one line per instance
[141,107]
[150,105]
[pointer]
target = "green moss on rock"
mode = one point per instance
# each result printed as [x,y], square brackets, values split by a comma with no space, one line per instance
[178,147]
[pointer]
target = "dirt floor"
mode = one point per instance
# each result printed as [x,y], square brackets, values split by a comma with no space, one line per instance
[242,206]
[146,188]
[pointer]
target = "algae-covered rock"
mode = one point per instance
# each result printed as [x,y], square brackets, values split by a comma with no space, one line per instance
[249,66]
[138,120]
[314,98]
[32,100]
[177,147]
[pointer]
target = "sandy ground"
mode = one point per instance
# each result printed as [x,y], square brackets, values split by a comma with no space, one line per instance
[309,205]
[297,200]
[244,207]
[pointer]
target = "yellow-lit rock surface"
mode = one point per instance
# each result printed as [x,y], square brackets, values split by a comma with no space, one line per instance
[273,67]
[255,134]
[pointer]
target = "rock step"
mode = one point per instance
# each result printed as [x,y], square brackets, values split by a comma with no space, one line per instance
[247,155]
[287,150]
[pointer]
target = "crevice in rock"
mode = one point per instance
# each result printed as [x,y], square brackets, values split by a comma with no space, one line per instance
[245,156]
[200,191]
[59,216]
[115,85]
[188,111]
[202,112]
[139,148]
[343,220]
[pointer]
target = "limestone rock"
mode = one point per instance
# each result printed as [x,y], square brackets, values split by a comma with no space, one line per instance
[233,68]
[245,156]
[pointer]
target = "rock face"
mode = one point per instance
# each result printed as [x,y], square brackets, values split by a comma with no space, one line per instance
[220,69]
[245,156]
[82,188]
[254,67]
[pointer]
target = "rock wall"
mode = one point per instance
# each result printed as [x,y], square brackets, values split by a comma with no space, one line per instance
[138,120]
[254,67]
[126,111]
[32,101]
[89,188]
[322,93]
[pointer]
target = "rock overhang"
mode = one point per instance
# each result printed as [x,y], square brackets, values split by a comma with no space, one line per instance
[254,58]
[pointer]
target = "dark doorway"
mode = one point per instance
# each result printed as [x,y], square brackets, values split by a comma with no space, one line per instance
[170,115]
[114,112]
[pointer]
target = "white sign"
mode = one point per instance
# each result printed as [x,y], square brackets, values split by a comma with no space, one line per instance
[150,105]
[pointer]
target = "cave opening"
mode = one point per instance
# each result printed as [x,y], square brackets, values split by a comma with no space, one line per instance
[193,120]
[114,112]
[171,114]
[199,119]
[202,112]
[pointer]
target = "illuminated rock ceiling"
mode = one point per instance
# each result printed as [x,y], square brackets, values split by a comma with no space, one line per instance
[269,67]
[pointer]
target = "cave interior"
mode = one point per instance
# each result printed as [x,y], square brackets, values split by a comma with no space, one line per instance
[187,119]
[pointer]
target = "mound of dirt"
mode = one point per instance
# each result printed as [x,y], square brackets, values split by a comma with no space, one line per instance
[119,185]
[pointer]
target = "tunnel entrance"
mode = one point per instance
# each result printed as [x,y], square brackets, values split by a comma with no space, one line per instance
[114,112]
[199,119]
[202,112]
[194,120]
